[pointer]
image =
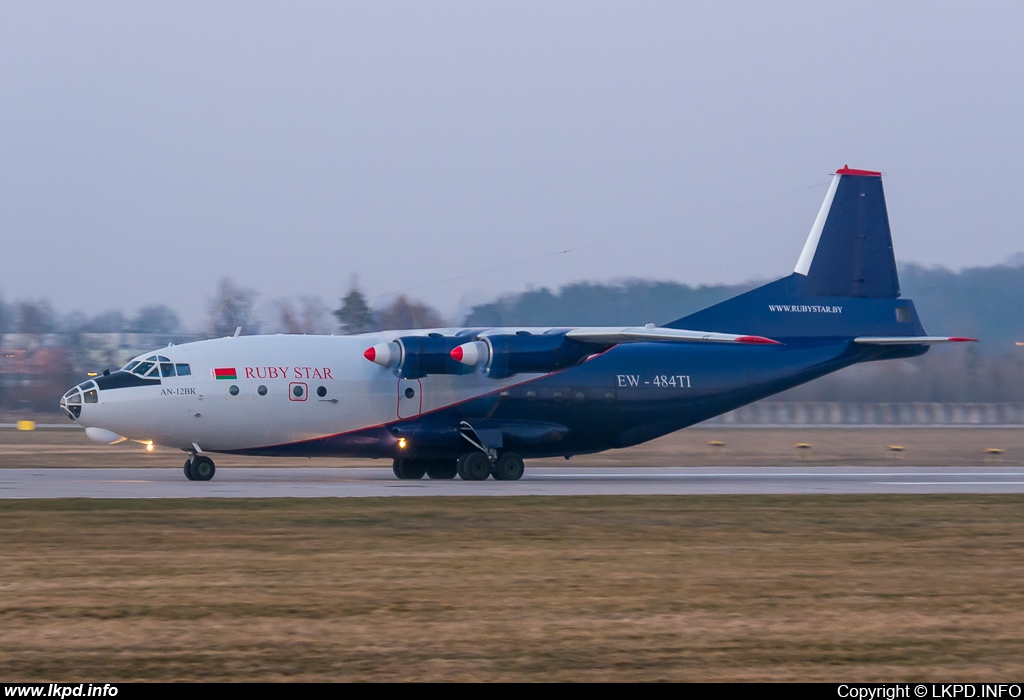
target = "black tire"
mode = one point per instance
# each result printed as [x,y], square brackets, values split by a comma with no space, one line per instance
[202,468]
[509,467]
[442,468]
[188,469]
[409,469]
[474,466]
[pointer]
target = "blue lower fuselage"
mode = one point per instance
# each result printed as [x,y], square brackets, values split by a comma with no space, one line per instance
[625,396]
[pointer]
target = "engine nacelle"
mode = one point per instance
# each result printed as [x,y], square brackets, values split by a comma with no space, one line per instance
[416,356]
[429,354]
[524,353]
[498,355]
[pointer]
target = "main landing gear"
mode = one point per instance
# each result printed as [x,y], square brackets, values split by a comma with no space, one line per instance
[472,466]
[476,466]
[199,468]
[417,468]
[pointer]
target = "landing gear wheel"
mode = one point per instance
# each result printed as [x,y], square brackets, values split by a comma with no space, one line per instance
[474,466]
[509,467]
[202,468]
[442,469]
[409,469]
[188,469]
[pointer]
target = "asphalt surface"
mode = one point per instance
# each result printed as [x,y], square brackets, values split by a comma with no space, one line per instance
[566,481]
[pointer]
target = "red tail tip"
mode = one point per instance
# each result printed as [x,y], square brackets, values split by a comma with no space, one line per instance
[756,340]
[370,354]
[457,354]
[847,170]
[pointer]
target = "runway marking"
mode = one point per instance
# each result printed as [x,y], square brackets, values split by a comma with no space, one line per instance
[945,483]
[765,475]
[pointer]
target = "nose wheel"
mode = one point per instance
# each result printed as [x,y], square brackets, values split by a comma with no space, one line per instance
[199,468]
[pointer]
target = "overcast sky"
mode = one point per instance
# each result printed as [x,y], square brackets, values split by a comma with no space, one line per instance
[149,149]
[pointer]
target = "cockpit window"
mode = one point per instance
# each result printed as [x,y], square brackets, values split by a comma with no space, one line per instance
[91,396]
[157,366]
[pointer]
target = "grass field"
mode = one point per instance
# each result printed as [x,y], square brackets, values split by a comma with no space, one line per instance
[580,588]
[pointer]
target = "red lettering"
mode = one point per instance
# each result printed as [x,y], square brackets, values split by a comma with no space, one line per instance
[282,372]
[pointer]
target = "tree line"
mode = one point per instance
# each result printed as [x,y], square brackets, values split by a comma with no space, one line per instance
[984,302]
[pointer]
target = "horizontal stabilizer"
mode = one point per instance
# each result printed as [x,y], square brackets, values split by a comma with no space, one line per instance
[647,334]
[912,340]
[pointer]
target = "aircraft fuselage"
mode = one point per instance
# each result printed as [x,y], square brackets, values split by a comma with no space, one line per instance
[317,395]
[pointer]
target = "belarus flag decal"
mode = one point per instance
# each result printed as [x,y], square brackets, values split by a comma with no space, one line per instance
[225,373]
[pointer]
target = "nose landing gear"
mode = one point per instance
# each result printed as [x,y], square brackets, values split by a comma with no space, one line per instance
[199,468]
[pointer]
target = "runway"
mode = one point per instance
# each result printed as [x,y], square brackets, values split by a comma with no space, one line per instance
[565,481]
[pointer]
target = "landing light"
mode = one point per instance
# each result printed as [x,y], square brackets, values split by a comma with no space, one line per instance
[401,443]
[149,447]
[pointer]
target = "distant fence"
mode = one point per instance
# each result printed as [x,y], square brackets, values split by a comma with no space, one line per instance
[828,413]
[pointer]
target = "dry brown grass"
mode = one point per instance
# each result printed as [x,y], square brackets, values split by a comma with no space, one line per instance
[582,588]
[743,447]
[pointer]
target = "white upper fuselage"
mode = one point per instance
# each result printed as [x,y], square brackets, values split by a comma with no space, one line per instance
[315,386]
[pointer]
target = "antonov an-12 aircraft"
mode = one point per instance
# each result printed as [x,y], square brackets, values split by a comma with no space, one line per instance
[474,402]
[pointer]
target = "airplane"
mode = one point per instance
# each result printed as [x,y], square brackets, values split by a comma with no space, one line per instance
[476,402]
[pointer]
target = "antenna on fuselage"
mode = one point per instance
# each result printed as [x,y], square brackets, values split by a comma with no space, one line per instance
[238,332]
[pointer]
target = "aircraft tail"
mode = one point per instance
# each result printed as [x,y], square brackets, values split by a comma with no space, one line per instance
[845,282]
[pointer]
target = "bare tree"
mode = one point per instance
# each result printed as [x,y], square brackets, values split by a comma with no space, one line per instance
[106,322]
[315,316]
[232,307]
[155,318]
[286,319]
[406,313]
[308,316]
[35,317]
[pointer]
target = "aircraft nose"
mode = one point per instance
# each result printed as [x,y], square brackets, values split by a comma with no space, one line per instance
[76,397]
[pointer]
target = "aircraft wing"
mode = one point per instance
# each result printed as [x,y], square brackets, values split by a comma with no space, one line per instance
[647,334]
[502,352]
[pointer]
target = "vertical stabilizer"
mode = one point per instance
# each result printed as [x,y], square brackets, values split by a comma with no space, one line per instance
[849,250]
[844,284]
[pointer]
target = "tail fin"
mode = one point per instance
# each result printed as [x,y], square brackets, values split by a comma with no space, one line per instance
[849,251]
[845,281]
